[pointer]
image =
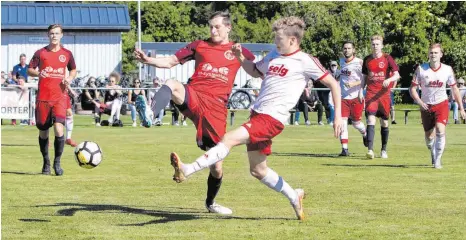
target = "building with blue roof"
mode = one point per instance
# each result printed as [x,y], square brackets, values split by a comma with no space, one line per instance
[91,31]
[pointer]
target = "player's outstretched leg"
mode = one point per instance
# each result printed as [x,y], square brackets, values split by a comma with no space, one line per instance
[259,169]
[172,89]
[44,149]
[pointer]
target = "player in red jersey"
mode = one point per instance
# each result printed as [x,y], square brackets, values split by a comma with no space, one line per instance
[204,98]
[52,61]
[380,75]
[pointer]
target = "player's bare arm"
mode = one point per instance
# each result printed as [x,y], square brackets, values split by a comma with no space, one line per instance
[415,96]
[334,87]
[70,77]
[248,66]
[160,62]
[363,85]
[394,78]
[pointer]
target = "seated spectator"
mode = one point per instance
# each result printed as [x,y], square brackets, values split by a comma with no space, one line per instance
[90,99]
[10,79]
[132,95]
[4,83]
[112,98]
[20,85]
[309,101]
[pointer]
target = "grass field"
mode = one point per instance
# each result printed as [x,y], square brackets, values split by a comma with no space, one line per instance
[131,194]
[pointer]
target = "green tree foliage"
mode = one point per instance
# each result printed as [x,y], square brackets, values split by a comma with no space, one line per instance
[408,27]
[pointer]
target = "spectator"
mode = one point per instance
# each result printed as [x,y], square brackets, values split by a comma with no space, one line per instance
[462,92]
[112,99]
[4,83]
[90,99]
[20,85]
[392,106]
[20,69]
[309,101]
[158,116]
[132,95]
[10,79]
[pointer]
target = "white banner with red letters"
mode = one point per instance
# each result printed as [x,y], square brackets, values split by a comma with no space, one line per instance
[15,103]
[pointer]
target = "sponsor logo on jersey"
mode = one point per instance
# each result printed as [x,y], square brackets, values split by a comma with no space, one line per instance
[435,84]
[278,70]
[345,72]
[229,55]
[62,58]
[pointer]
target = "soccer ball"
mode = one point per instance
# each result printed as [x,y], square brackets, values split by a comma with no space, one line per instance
[88,154]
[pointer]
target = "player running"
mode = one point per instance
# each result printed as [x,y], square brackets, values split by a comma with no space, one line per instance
[350,83]
[432,78]
[52,61]
[285,73]
[204,98]
[380,75]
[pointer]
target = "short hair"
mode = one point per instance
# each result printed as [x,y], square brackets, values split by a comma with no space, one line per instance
[348,42]
[116,76]
[53,26]
[377,37]
[291,26]
[21,77]
[436,45]
[22,55]
[224,14]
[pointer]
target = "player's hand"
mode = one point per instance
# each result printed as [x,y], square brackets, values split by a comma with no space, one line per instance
[463,114]
[140,55]
[97,105]
[337,127]
[348,85]
[44,74]
[238,51]
[424,106]
[361,97]
[386,83]
[67,81]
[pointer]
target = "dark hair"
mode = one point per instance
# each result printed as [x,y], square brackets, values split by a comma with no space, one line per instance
[89,80]
[224,14]
[53,26]
[115,75]
[348,42]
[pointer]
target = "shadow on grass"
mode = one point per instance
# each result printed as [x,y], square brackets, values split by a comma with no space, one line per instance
[377,165]
[20,173]
[17,145]
[322,155]
[177,214]
[33,220]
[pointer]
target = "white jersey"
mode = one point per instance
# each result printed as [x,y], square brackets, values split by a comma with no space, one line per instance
[350,72]
[285,77]
[433,82]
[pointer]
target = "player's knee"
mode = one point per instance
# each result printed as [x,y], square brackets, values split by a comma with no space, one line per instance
[258,172]
[216,170]
[69,113]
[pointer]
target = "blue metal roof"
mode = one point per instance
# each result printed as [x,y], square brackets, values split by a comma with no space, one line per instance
[38,16]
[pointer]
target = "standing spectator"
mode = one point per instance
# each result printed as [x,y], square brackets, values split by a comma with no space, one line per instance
[132,95]
[20,69]
[453,105]
[158,116]
[392,106]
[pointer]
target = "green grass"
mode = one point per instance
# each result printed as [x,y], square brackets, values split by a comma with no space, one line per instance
[131,194]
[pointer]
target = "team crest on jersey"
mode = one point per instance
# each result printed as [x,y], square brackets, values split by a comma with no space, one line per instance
[229,55]
[381,64]
[62,58]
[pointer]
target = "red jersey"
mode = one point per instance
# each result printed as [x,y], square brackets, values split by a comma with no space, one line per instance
[54,64]
[377,70]
[215,68]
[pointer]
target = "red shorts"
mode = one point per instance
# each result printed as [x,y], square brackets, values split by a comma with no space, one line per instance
[437,113]
[262,128]
[352,108]
[49,112]
[378,106]
[209,115]
[67,100]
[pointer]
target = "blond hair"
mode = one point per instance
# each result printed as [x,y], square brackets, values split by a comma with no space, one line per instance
[291,26]
[436,45]
[377,37]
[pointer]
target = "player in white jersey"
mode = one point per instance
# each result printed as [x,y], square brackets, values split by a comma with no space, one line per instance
[432,77]
[350,83]
[285,72]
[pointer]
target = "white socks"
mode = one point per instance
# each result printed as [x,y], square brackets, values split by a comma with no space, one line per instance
[360,127]
[275,182]
[344,135]
[439,146]
[214,155]
[69,126]
[116,107]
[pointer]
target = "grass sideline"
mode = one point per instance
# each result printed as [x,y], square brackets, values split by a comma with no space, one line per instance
[131,194]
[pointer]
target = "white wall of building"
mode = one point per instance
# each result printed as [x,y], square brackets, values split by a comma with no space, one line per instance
[95,53]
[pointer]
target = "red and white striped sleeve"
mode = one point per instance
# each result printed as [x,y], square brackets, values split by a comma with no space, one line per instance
[313,68]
